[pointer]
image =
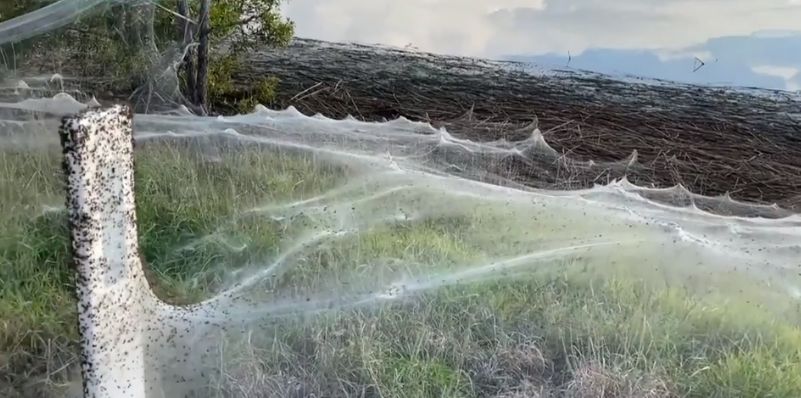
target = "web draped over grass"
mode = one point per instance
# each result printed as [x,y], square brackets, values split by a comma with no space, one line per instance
[343,258]
[377,259]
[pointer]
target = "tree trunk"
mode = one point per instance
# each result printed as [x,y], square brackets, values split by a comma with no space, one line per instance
[201,88]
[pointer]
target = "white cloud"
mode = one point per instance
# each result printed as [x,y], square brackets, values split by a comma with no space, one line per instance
[784,72]
[790,75]
[670,54]
[499,27]
[445,26]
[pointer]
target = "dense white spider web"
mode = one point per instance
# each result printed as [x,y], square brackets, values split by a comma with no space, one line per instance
[387,179]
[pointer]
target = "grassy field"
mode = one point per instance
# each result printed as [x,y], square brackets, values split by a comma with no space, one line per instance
[556,333]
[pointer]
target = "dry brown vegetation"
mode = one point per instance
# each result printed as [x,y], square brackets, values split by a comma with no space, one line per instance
[711,140]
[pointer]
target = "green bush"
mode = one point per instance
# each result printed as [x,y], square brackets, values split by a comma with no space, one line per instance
[121,45]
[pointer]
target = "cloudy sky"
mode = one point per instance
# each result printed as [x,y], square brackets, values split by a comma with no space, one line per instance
[644,37]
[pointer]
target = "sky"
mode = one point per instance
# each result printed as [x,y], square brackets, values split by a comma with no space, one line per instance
[742,42]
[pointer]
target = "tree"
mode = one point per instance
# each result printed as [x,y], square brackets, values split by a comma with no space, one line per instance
[131,46]
[232,28]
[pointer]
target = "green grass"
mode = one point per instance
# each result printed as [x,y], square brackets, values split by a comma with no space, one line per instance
[559,332]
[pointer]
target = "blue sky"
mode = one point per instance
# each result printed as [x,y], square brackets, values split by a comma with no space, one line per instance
[760,60]
[742,42]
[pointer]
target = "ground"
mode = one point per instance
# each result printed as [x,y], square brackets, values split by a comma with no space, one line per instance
[559,332]
[712,140]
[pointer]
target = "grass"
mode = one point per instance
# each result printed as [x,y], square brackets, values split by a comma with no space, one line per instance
[559,332]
